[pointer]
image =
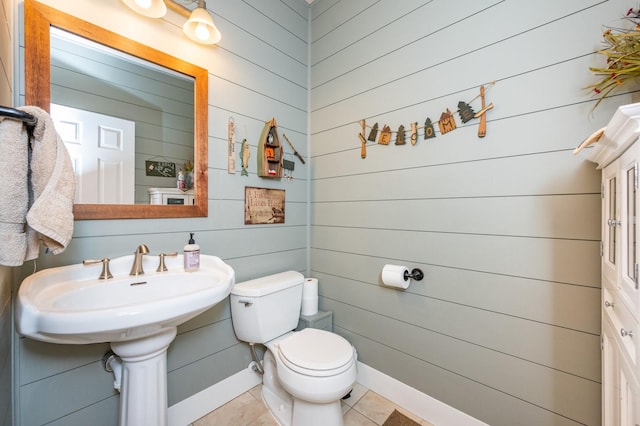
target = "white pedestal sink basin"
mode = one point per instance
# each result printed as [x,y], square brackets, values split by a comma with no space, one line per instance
[138,315]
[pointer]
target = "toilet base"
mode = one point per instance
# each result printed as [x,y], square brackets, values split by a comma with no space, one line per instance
[280,406]
[289,411]
[294,412]
[310,414]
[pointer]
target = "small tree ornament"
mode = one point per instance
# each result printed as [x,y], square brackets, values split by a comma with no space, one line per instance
[400,136]
[465,111]
[373,133]
[429,131]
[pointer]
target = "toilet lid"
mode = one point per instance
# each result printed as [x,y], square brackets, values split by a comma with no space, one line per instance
[315,352]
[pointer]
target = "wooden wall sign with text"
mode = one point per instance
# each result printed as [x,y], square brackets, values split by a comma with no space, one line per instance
[263,205]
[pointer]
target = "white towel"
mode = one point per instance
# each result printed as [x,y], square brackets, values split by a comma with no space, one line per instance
[14,199]
[52,184]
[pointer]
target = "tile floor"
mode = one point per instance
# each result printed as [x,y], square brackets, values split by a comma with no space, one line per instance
[363,408]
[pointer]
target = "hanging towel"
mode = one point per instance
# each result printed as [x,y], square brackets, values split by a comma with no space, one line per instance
[14,198]
[53,186]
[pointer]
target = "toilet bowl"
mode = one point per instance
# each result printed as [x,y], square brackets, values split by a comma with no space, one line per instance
[315,365]
[302,386]
[307,372]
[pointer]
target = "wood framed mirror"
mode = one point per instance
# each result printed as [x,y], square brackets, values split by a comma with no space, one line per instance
[39,20]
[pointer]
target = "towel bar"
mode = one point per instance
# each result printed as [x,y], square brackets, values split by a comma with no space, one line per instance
[29,120]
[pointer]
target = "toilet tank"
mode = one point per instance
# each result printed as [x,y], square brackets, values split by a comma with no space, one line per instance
[267,307]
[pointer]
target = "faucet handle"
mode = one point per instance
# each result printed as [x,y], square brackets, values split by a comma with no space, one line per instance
[106,273]
[161,266]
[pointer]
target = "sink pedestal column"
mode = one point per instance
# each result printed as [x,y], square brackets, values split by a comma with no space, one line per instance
[143,397]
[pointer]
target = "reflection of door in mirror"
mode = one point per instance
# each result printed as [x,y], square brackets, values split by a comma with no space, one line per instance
[91,77]
[102,150]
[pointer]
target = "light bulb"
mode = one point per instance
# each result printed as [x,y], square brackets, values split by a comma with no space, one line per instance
[145,4]
[149,8]
[202,31]
[200,27]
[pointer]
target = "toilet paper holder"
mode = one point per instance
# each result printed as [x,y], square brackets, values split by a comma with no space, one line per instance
[416,274]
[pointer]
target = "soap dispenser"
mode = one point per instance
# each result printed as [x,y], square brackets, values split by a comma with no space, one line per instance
[191,255]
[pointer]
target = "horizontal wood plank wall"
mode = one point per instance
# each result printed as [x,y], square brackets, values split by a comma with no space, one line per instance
[505,325]
[258,71]
[6,48]
[7,274]
[7,277]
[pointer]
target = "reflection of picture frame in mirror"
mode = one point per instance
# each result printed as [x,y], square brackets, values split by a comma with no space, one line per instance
[160,168]
[38,20]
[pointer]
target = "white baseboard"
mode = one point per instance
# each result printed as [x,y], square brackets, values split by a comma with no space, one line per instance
[412,400]
[196,406]
[191,409]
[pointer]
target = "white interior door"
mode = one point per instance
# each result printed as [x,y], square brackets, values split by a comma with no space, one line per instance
[102,150]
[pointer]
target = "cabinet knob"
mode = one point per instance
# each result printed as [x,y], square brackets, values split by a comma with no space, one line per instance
[625,333]
[613,223]
[608,304]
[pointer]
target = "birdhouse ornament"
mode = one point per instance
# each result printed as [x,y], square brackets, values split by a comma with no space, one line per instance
[447,122]
[385,135]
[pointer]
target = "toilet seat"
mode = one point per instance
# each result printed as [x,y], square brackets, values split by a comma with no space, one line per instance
[316,353]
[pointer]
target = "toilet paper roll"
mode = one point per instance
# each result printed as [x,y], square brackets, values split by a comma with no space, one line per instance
[310,288]
[310,297]
[394,276]
[309,306]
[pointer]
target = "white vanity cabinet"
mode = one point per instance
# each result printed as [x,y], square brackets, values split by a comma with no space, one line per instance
[618,155]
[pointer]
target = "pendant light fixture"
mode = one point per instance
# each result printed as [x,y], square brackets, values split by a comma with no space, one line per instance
[200,27]
[150,8]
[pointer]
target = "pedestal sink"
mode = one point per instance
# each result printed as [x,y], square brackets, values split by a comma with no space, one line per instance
[137,315]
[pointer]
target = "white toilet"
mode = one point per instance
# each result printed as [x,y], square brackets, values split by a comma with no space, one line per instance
[307,372]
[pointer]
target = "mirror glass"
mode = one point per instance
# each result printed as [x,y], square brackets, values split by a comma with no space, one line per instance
[143,112]
[127,123]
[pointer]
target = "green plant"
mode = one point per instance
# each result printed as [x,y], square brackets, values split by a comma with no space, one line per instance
[622,50]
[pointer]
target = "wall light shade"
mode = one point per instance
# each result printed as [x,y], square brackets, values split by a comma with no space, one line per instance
[150,8]
[200,27]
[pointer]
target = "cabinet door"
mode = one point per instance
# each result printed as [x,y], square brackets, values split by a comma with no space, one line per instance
[609,376]
[611,221]
[620,388]
[629,394]
[629,230]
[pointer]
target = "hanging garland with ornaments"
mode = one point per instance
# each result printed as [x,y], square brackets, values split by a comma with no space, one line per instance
[446,124]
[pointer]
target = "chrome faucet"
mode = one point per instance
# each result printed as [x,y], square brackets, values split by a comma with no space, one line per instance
[136,268]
